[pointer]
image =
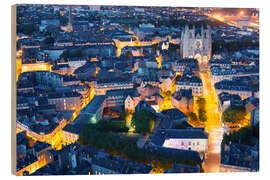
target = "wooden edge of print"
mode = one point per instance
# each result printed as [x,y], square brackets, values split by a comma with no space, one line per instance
[13,89]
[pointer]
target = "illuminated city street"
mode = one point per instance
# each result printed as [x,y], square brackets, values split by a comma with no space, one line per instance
[213,125]
[233,20]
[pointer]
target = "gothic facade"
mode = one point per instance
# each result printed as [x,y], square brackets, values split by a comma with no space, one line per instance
[196,43]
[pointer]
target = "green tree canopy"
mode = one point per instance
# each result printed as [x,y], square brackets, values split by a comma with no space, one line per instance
[70,54]
[64,54]
[126,146]
[202,115]
[143,121]
[192,116]
[118,144]
[232,46]
[245,135]
[234,114]
[123,116]
[201,103]
[109,126]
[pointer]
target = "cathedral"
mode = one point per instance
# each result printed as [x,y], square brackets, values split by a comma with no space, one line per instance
[196,43]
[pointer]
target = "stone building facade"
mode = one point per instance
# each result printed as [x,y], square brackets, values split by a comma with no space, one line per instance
[196,43]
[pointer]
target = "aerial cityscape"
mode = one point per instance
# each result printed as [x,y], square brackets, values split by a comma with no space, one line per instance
[136,89]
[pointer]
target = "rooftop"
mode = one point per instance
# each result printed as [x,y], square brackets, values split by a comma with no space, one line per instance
[94,104]
[120,165]
[162,134]
[174,113]
[181,168]
[57,95]
[73,128]
[123,92]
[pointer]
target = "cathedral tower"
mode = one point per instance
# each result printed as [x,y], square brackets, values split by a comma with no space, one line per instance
[196,43]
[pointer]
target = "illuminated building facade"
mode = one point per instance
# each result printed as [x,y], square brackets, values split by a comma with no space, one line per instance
[166,84]
[35,67]
[238,87]
[195,140]
[119,97]
[49,78]
[190,82]
[130,104]
[181,64]
[93,111]
[196,43]
[101,86]
[183,100]
[71,133]
[61,69]
[65,101]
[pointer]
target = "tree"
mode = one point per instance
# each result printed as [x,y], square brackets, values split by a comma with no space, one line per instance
[64,54]
[256,131]
[123,116]
[70,54]
[244,135]
[201,103]
[232,46]
[201,109]
[143,121]
[77,53]
[162,166]
[109,126]
[126,146]
[192,116]
[234,115]
[48,41]
[202,115]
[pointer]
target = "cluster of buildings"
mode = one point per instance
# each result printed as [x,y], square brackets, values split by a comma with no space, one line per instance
[45,104]
[240,157]
[188,142]
[77,65]
[74,159]
[31,157]
[244,86]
